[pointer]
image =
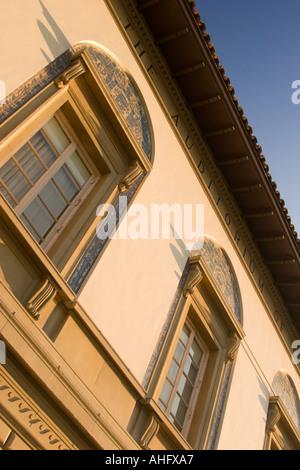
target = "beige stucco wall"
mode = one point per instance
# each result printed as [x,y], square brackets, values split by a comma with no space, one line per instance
[131,289]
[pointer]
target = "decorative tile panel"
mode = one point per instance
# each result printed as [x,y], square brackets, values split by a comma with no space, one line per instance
[117,81]
[125,96]
[218,264]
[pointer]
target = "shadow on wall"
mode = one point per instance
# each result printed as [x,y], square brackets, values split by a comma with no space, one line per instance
[54,37]
[180,252]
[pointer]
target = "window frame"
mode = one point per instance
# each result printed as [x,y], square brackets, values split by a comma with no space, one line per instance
[281,431]
[203,304]
[199,377]
[74,146]
[81,88]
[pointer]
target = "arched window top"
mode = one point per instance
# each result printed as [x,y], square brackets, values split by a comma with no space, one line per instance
[284,387]
[118,82]
[125,95]
[218,264]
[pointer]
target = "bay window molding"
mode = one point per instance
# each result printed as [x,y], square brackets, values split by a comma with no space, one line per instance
[100,109]
[281,430]
[195,402]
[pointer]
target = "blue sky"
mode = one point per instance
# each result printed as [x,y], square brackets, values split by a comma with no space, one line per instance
[258,43]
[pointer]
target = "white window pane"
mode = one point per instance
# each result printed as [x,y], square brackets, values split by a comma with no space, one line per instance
[172,373]
[195,352]
[66,183]
[179,352]
[179,410]
[166,392]
[57,135]
[39,217]
[78,168]
[185,334]
[44,149]
[185,389]
[29,163]
[14,180]
[190,370]
[53,199]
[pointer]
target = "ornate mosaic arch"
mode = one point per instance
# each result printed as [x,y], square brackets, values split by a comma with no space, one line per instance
[125,95]
[284,387]
[118,82]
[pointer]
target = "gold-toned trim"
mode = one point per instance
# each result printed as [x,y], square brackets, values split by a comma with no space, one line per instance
[72,72]
[46,291]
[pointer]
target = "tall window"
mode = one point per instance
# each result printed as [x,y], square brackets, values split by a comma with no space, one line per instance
[183,379]
[45,179]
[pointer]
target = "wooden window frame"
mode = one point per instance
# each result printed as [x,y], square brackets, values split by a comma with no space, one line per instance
[70,210]
[108,144]
[196,387]
[203,305]
[281,431]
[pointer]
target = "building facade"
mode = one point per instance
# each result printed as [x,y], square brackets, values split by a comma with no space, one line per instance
[149,271]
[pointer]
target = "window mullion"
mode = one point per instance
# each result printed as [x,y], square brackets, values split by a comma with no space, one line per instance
[8,191]
[61,191]
[48,209]
[37,155]
[73,176]
[50,140]
[22,171]
[178,376]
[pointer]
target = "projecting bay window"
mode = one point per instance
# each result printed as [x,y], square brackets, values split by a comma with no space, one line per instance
[45,180]
[183,379]
[69,149]
[192,374]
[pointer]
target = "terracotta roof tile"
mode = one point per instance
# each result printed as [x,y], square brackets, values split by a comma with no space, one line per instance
[258,149]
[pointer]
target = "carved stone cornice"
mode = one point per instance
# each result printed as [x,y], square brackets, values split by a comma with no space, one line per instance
[46,291]
[132,174]
[194,276]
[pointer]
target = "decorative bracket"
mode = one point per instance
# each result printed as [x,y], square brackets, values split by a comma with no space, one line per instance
[44,294]
[233,346]
[133,173]
[150,433]
[72,72]
[194,277]
[273,417]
